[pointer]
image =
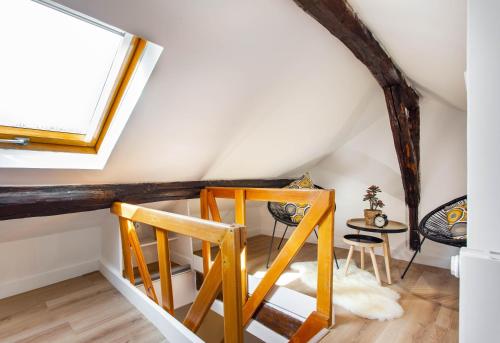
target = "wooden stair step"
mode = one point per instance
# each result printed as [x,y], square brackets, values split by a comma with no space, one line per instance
[155,273]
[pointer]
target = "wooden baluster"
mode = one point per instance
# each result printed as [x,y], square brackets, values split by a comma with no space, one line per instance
[240,218]
[325,263]
[231,286]
[313,324]
[205,245]
[167,298]
[141,262]
[214,209]
[287,253]
[208,292]
[127,256]
[228,271]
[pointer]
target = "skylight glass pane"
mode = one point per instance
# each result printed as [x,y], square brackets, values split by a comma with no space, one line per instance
[53,68]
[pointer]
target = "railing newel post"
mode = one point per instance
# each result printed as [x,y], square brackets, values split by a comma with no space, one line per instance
[240,218]
[325,261]
[231,285]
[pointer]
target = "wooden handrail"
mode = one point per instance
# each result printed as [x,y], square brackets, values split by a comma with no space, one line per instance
[267,194]
[286,254]
[225,274]
[194,227]
[228,270]
[320,213]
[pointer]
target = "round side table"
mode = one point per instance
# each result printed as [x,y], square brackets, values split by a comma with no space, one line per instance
[392,227]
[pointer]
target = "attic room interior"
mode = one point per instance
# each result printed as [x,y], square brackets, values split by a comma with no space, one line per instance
[249,171]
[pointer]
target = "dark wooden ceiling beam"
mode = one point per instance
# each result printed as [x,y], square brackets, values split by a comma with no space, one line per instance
[401,99]
[37,201]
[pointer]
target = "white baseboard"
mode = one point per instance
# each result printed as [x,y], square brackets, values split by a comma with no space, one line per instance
[31,282]
[406,254]
[426,259]
[171,328]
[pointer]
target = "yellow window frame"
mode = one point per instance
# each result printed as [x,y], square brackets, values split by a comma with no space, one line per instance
[44,140]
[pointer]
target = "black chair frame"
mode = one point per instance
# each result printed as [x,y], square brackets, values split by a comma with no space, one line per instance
[434,226]
[281,216]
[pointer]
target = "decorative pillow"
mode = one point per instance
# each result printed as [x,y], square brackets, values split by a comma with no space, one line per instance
[297,211]
[457,221]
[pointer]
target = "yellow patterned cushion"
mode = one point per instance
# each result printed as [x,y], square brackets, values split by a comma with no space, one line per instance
[457,221]
[297,211]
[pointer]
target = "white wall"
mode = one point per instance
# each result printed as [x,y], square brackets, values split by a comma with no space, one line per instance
[36,252]
[479,267]
[483,75]
[363,154]
[36,262]
[368,157]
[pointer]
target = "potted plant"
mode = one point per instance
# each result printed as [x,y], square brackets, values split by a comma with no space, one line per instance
[375,204]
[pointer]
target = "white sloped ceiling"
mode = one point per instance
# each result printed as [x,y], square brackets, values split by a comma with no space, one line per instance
[427,39]
[258,88]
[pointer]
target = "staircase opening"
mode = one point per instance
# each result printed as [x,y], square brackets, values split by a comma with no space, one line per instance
[224,276]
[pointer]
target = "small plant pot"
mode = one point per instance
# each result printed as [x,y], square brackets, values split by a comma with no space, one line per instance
[370,216]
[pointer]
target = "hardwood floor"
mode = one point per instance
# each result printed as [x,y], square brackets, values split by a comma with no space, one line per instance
[84,309]
[89,309]
[429,297]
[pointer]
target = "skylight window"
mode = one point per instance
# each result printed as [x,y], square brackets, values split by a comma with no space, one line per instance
[62,76]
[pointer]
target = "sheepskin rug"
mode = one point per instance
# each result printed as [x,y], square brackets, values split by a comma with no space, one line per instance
[358,292]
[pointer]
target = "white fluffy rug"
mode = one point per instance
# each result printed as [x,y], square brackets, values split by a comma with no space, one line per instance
[358,292]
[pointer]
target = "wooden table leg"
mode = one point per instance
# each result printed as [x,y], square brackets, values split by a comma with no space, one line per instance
[375,267]
[349,256]
[362,252]
[387,257]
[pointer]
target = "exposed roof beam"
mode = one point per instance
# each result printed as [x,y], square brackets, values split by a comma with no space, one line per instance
[401,99]
[38,201]
[339,18]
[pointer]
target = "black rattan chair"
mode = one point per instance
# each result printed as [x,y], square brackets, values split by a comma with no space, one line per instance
[280,215]
[434,226]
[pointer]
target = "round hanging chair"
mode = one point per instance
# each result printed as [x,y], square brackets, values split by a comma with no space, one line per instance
[434,226]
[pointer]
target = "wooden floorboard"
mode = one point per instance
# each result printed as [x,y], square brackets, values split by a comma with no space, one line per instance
[89,309]
[429,297]
[83,309]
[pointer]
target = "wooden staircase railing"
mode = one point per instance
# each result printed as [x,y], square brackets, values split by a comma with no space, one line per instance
[227,271]
[227,267]
[320,213]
